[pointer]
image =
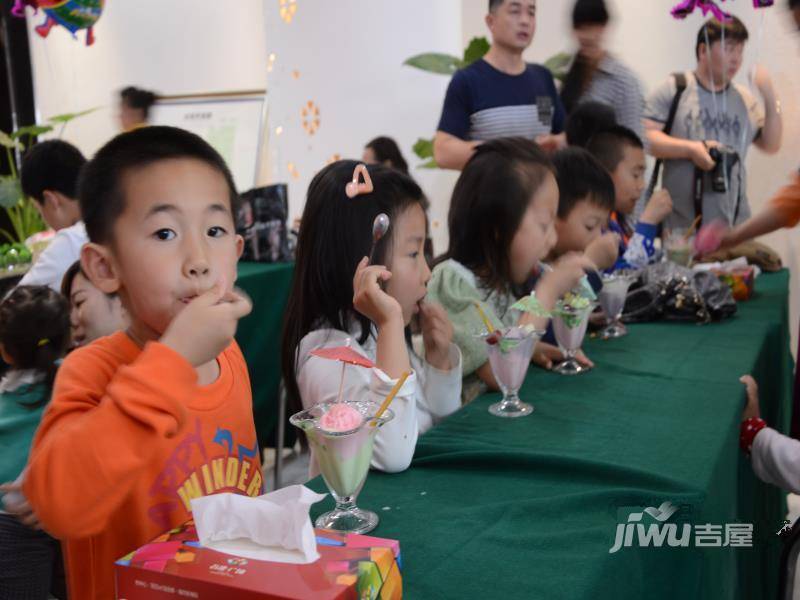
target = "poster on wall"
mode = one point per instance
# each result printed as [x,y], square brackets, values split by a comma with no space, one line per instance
[233,123]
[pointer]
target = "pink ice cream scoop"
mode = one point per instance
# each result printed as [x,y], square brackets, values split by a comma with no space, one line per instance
[340,417]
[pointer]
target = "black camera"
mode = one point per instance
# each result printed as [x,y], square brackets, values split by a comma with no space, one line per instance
[725,158]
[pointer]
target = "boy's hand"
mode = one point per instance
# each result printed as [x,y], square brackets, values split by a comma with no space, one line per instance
[437,334]
[566,274]
[658,208]
[20,509]
[751,409]
[546,355]
[604,250]
[207,325]
[368,297]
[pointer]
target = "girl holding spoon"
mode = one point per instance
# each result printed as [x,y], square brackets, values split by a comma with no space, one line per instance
[361,276]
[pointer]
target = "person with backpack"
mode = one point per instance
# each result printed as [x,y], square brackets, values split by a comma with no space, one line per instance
[701,125]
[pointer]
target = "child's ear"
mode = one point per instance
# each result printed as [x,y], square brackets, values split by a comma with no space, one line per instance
[99,266]
[48,196]
[239,246]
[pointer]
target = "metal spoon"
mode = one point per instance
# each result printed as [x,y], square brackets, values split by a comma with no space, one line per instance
[379,228]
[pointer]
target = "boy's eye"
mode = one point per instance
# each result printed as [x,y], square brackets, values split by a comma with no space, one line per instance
[164,234]
[414,254]
[216,231]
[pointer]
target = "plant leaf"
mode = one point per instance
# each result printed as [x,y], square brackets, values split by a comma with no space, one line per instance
[431,164]
[8,142]
[558,64]
[31,130]
[423,148]
[10,191]
[477,48]
[67,117]
[434,62]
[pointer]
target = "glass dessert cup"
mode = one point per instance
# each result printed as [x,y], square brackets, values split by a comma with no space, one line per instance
[569,326]
[612,300]
[510,352]
[344,458]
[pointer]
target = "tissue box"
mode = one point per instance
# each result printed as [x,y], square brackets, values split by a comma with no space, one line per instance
[174,565]
[741,280]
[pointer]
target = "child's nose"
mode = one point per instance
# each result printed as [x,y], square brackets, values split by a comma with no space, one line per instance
[197,263]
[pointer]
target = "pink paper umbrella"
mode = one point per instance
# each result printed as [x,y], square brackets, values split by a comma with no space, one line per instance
[344,354]
[347,356]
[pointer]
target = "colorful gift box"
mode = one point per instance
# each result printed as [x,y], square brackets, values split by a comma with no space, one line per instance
[741,280]
[174,565]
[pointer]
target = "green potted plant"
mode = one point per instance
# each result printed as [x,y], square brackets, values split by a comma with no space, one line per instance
[22,213]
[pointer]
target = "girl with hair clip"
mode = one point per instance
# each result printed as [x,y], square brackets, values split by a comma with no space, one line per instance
[350,290]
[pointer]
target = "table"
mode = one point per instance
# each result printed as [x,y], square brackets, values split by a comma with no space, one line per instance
[259,336]
[528,508]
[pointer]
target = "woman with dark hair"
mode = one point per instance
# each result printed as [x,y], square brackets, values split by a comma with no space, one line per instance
[135,106]
[384,150]
[595,74]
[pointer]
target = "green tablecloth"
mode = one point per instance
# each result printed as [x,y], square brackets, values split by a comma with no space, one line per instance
[528,508]
[259,336]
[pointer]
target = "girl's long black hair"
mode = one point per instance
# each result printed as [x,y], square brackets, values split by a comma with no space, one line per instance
[335,234]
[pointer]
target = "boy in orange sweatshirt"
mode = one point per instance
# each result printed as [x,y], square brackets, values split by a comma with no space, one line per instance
[144,420]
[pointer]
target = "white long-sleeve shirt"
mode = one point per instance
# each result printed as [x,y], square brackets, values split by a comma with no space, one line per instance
[427,396]
[54,260]
[776,459]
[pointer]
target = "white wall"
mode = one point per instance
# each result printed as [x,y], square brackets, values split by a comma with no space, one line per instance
[179,46]
[348,55]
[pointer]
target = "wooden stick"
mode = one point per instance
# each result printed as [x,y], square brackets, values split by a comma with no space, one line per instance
[691,229]
[390,397]
[485,319]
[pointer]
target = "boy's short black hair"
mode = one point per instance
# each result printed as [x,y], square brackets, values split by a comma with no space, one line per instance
[608,146]
[712,30]
[53,165]
[100,189]
[587,119]
[580,177]
[494,4]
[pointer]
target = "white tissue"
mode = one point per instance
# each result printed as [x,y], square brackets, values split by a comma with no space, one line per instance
[273,527]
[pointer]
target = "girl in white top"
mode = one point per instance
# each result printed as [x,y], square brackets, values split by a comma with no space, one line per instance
[338,297]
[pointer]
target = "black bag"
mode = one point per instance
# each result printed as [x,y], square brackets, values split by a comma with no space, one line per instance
[261,221]
[669,291]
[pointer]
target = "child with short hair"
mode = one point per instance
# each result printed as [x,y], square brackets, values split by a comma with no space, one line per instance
[621,152]
[92,313]
[49,176]
[501,225]
[585,201]
[338,297]
[145,420]
[34,334]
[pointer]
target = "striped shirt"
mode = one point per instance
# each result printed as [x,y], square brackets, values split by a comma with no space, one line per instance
[616,85]
[483,103]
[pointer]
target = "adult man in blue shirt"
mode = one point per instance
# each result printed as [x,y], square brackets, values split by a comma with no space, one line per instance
[500,95]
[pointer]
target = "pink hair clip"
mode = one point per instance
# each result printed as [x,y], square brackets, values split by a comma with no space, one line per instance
[356,187]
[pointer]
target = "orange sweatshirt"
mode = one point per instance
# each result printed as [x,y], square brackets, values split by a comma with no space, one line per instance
[128,440]
[787,203]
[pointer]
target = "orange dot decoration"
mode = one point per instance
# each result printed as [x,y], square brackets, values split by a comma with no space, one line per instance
[311,119]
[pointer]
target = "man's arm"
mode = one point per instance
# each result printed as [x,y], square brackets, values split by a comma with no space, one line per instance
[667,147]
[451,152]
[771,134]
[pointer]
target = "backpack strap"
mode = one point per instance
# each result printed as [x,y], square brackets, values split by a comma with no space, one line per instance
[680,87]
